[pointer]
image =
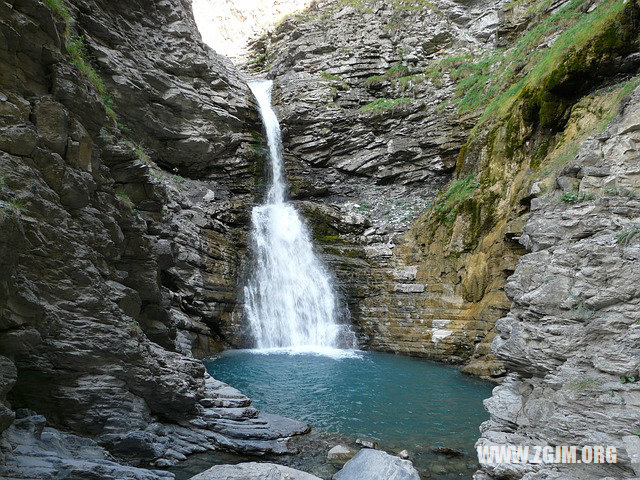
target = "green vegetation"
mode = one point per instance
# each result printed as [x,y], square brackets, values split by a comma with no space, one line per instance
[58,7]
[395,72]
[575,197]
[490,83]
[364,207]
[637,432]
[81,59]
[124,198]
[448,205]
[258,60]
[135,328]
[626,236]
[413,5]
[383,104]
[531,73]
[586,384]
[629,378]
[621,192]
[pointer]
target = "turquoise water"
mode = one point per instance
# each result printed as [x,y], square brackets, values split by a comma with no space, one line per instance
[401,402]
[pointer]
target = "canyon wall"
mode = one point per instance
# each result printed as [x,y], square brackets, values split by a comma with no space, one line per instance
[129,155]
[414,132]
[536,166]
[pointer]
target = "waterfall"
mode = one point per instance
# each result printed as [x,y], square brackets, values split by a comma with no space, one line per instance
[289,299]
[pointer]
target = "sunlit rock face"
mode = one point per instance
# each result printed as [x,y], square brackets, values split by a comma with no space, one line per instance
[227,26]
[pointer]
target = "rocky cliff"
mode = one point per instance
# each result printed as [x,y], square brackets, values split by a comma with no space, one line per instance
[394,109]
[128,158]
[372,132]
[572,334]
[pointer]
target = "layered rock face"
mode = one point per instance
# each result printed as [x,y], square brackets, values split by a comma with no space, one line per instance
[377,101]
[371,132]
[115,266]
[573,332]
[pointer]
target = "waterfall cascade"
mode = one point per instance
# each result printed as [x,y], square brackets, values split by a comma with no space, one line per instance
[289,299]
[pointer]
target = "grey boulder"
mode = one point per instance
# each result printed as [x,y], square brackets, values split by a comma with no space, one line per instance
[371,464]
[253,471]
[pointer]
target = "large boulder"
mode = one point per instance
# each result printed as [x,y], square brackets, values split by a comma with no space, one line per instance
[253,471]
[377,465]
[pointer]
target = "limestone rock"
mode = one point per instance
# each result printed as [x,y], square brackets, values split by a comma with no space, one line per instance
[339,455]
[572,332]
[32,450]
[253,471]
[377,465]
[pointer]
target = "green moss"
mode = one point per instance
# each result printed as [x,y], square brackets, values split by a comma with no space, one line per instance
[383,104]
[320,224]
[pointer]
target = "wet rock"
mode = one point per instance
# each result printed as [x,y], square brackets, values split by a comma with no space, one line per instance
[377,465]
[404,454]
[367,443]
[339,455]
[448,452]
[253,471]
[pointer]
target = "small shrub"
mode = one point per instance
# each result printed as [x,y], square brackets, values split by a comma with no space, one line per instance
[575,197]
[135,328]
[628,378]
[621,192]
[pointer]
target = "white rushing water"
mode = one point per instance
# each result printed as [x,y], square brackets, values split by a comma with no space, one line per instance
[289,299]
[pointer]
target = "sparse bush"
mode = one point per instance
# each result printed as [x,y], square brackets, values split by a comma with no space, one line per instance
[575,197]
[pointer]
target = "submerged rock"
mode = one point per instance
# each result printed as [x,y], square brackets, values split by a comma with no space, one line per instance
[253,471]
[339,455]
[371,464]
[367,443]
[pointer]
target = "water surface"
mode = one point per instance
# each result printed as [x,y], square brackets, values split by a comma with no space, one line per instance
[402,402]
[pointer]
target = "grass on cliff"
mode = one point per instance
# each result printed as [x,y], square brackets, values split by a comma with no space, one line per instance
[59,8]
[533,64]
[397,71]
[81,59]
[383,104]
[490,83]
[448,205]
